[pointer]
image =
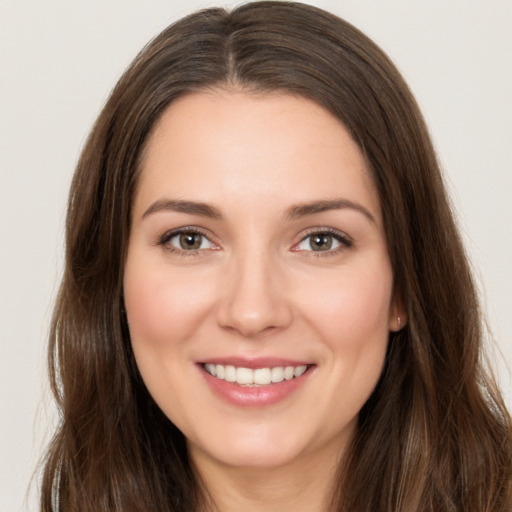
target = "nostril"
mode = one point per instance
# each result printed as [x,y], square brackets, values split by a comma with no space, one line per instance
[251,319]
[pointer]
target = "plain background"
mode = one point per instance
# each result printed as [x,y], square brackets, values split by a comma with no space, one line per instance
[58,61]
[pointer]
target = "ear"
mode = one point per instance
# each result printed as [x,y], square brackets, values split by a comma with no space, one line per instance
[398,316]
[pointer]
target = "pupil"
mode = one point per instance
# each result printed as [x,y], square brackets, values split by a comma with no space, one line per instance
[321,242]
[190,241]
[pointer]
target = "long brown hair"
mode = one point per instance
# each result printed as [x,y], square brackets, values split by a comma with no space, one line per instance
[434,435]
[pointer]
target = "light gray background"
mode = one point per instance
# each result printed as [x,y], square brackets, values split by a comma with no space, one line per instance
[60,58]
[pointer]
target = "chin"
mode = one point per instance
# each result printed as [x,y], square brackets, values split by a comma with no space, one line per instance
[248,455]
[264,447]
[244,445]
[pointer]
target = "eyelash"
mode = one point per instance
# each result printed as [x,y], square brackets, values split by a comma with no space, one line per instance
[344,241]
[166,237]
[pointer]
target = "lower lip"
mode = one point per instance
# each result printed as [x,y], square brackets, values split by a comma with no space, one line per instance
[260,396]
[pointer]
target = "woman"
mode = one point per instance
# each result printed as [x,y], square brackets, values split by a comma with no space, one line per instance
[263,276]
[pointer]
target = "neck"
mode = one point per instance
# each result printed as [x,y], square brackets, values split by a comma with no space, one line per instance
[305,484]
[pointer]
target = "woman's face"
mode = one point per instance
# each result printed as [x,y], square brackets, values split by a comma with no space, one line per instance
[258,287]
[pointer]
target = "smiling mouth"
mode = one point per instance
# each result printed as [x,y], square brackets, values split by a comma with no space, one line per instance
[248,377]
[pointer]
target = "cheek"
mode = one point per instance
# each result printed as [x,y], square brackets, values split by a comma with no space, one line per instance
[164,310]
[351,310]
[351,318]
[163,307]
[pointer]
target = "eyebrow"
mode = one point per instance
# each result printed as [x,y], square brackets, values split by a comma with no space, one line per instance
[190,207]
[303,210]
[294,212]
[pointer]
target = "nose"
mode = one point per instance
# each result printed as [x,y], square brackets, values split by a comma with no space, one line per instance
[254,298]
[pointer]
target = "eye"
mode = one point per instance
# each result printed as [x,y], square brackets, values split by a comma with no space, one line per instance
[186,240]
[323,241]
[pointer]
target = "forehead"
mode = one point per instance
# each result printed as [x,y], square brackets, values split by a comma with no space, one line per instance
[224,146]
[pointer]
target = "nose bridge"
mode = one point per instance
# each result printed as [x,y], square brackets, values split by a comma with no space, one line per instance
[253,297]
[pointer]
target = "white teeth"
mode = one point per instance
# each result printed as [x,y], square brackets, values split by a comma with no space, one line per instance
[299,371]
[244,376]
[257,377]
[211,369]
[277,374]
[230,373]
[288,372]
[262,376]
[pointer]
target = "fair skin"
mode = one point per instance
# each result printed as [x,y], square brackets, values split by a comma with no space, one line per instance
[257,242]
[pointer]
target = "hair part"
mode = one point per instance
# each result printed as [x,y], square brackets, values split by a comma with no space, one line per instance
[434,435]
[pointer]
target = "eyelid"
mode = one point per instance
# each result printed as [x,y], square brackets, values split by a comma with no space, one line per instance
[345,241]
[164,239]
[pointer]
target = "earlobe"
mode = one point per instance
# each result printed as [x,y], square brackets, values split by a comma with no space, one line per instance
[398,315]
[397,322]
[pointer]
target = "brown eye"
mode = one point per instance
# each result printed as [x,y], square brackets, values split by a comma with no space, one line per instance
[321,242]
[190,241]
[324,241]
[186,241]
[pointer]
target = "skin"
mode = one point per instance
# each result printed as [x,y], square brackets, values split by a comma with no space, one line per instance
[256,288]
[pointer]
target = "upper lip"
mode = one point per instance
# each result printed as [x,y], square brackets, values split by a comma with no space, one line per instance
[256,362]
